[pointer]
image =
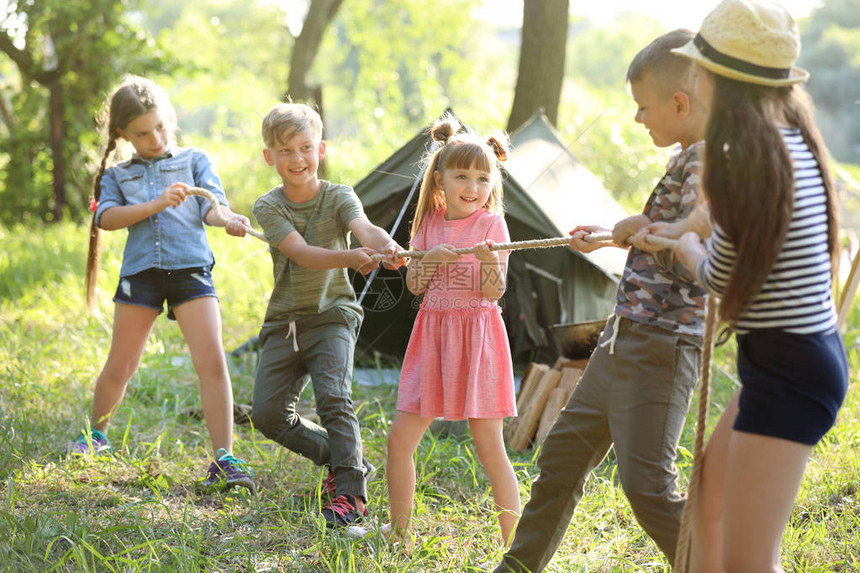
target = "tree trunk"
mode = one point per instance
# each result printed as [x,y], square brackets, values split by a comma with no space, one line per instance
[317,94]
[320,15]
[57,155]
[541,68]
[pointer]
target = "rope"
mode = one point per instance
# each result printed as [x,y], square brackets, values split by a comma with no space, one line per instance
[514,246]
[216,206]
[534,244]
[663,242]
[682,552]
[846,297]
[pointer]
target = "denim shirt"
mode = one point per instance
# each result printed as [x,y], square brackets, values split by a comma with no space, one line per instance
[175,238]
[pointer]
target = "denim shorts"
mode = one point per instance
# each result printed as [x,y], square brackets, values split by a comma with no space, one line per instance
[150,288]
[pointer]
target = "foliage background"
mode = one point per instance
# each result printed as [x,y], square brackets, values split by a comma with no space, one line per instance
[387,69]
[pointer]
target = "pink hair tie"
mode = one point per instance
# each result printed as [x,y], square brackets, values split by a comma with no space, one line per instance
[94,205]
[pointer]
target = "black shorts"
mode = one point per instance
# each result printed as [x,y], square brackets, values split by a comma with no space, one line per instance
[793,384]
[152,287]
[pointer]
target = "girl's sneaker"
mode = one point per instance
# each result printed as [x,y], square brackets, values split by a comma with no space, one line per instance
[92,443]
[227,471]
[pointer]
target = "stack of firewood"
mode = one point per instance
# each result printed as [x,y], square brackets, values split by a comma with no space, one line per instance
[544,391]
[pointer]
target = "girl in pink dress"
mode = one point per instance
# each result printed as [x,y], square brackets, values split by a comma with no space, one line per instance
[458,362]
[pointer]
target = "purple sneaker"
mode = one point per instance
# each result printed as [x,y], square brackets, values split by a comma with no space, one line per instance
[227,472]
[95,443]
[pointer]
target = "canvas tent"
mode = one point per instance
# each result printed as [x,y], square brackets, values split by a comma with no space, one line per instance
[547,192]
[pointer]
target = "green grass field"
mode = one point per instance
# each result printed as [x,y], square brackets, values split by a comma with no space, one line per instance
[137,511]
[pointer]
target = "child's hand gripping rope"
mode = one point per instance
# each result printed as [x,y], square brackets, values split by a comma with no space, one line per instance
[206,194]
[642,240]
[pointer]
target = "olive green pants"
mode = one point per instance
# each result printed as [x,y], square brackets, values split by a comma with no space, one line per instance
[635,398]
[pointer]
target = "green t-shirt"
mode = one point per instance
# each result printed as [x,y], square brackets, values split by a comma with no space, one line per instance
[322,222]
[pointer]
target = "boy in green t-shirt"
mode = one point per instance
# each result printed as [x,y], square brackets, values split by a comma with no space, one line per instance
[312,319]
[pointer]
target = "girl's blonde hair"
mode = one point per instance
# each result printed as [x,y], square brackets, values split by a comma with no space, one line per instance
[459,148]
[132,98]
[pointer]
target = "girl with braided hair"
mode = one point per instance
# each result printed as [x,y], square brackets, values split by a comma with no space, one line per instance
[166,257]
[458,361]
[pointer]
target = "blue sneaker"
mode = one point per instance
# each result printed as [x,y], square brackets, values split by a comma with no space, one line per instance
[226,472]
[95,443]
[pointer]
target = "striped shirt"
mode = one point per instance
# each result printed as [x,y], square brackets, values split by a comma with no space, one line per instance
[796,296]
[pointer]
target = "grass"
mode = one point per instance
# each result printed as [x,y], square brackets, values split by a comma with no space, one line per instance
[138,511]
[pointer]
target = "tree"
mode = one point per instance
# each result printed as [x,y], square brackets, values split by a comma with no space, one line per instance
[67,53]
[320,15]
[541,68]
[41,66]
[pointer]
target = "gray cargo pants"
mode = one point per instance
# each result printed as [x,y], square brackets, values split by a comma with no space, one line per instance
[320,349]
[635,398]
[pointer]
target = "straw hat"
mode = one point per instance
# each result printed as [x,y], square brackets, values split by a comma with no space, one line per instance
[750,41]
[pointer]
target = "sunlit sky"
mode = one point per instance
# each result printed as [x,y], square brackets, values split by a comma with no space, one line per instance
[670,13]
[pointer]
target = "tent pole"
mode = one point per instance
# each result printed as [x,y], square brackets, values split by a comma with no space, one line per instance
[399,218]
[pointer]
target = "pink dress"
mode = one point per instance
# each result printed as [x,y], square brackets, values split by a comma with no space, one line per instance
[458,362]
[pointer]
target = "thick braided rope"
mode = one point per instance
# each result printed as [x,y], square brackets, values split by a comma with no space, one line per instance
[216,206]
[682,552]
[663,242]
[533,244]
[514,246]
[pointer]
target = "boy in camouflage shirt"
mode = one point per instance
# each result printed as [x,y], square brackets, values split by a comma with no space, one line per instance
[637,386]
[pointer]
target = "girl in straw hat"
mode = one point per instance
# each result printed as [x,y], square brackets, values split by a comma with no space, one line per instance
[774,206]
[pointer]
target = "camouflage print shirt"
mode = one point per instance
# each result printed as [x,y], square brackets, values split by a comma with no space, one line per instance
[657,289]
